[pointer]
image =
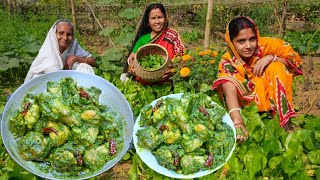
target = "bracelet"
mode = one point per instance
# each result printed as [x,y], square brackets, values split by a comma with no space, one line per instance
[238,123]
[239,109]
[128,61]
[274,58]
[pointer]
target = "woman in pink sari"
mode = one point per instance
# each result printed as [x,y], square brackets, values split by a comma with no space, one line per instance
[154,29]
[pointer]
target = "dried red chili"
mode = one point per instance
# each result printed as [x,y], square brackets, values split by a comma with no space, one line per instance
[26,107]
[163,127]
[209,161]
[112,147]
[79,158]
[159,103]
[176,160]
[203,111]
[47,130]
[84,94]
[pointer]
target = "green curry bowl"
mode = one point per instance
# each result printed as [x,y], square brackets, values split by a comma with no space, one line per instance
[184,136]
[63,148]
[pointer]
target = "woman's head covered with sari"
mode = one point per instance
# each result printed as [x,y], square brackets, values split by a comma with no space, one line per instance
[272,89]
[64,33]
[232,30]
[54,52]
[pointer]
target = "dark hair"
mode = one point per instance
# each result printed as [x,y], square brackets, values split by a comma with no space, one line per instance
[239,23]
[144,27]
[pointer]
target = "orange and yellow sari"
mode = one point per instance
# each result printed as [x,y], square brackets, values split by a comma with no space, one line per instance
[273,90]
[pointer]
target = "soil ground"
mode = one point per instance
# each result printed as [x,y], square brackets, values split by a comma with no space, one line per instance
[307,94]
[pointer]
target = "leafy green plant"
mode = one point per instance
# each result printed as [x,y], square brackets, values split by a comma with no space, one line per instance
[20,42]
[193,36]
[151,62]
[262,15]
[275,152]
[203,69]
[308,10]
[303,42]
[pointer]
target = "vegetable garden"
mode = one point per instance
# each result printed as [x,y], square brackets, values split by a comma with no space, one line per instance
[106,29]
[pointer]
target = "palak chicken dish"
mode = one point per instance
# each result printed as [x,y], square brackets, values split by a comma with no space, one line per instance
[186,135]
[66,130]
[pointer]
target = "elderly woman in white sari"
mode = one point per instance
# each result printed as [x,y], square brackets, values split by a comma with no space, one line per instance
[60,51]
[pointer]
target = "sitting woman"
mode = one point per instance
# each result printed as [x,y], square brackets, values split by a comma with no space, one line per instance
[154,29]
[258,69]
[61,51]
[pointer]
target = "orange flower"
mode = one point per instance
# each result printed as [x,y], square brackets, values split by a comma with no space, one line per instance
[186,57]
[214,53]
[212,61]
[184,72]
[172,70]
[202,53]
[208,51]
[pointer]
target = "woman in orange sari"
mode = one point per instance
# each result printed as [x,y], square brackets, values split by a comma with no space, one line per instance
[258,69]
[154,29]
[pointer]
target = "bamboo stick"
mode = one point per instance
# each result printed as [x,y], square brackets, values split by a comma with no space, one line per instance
[97,20]
[208,24]
[282,24]
[74,21]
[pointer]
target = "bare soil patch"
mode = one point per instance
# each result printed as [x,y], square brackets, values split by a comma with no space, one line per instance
[307,95]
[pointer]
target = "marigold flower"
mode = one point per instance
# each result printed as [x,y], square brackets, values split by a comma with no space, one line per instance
[202,53]
[214,53]
[212,61]
[186,57]
[208,51]
[184,72]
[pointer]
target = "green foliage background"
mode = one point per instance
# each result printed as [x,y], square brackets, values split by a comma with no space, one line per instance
[269,153]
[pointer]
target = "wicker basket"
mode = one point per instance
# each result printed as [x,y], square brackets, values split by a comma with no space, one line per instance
[154,75]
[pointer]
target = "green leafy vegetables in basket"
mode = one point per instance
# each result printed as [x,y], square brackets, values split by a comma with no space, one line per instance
[186,135]
[151,61]
[66,131]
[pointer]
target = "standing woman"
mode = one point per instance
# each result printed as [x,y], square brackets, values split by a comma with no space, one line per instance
[154,29]
[61,51]
[258,69]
